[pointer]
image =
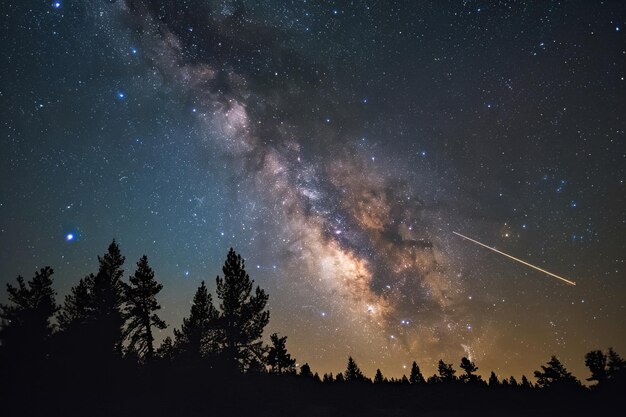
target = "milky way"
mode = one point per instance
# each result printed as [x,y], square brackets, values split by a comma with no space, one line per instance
[336,147]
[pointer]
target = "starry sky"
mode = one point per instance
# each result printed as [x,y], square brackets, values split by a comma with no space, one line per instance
[337,145]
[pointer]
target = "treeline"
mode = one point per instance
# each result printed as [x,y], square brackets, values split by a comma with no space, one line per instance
[101,340]
[105,318]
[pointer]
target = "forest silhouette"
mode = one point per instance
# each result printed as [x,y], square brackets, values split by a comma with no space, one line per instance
[95,355]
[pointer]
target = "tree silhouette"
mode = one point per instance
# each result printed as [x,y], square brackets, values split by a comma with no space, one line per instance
[416,376]
[378,378]
[277,356]
[194,339]
[26,333]
[166,350]
[305,371]
[77,308]
[353,373]
[605,368]
[140,310]
[107,299]
[433,379]
[74,343]
[469,367]
[493,380]
[25,322]
[596,361]
[554,374]
[446,372]
[616,365]
[242,317]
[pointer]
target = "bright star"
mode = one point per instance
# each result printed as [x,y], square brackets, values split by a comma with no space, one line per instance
[69,237]
[56,5]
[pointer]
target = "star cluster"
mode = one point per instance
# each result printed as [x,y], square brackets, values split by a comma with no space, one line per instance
[336,146]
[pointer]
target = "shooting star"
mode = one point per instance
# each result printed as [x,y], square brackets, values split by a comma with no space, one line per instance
[516,259]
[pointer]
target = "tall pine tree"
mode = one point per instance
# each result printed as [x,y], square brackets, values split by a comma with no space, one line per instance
[140,310]
[353,372]
[279,360]
[378,377]
[493,380]
[596,361]
[469,367]
[242,315]
[78,306]
[554,374]
[25,322]
[194,340]
[446,372]
[107,299]
[416,376]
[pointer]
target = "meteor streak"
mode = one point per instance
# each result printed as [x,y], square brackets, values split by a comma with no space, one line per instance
[516,259]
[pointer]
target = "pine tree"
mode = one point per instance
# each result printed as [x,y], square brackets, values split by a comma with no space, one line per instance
[305,371]
[328,378]
[316,378]
[243,316]
[166,350]
[378,378]
[493,380]
[555,374]
[339,378]
[353,373]
[596,361]
[194,340]
[74,343]
[446,372]
[616,365]
[469,367]
[278,358]
[77,308]
[525,383]
[416,376]
[107,299]
[140,310]
[513,381]
[25,322]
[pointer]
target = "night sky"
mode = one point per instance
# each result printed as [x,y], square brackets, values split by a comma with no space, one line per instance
[337,146]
